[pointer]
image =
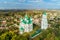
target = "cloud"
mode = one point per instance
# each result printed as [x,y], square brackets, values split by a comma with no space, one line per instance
[30,4]
[34,0]
[54,0]
[21,0]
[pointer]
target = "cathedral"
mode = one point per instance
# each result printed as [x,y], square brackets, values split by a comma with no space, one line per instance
[26,24]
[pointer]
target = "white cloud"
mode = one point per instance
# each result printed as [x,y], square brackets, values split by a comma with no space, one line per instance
[21,0]
[5,2]
[34,0]
[54,0]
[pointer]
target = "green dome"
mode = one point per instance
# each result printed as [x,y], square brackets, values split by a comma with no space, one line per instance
[22,28]
[26,20]
[26,16]
[44,12]
[21,19]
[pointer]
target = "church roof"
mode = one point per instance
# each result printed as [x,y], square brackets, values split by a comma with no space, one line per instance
[26,20]
[44,12]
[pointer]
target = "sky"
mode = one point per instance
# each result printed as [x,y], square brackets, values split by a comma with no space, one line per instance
[29,4]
